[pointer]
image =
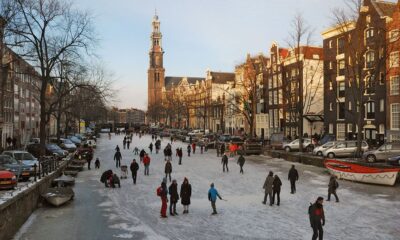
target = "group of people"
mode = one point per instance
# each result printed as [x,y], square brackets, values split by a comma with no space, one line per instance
[127,141]
[272,185]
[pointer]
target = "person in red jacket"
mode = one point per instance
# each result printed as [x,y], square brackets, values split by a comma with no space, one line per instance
[146,162]
[194,148]
[163,193]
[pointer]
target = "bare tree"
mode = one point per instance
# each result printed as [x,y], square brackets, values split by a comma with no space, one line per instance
[42,31]
[304,87]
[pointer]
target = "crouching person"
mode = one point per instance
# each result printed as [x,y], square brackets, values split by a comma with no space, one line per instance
[115,181]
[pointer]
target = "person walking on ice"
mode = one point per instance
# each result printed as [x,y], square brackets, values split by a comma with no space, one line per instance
[168,169]
[224,162]
[332,187]
[162,192]
[212,196]
[241,162]
[276,190]
[317,218]
[293,176]
[134,168]
[186,193]
[269,181]
[146,162]
[117,159]
[188,150]
[174,197]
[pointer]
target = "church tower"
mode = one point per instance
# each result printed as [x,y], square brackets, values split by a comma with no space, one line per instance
[156,71]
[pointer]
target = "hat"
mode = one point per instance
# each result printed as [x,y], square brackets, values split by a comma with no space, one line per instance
[212,185]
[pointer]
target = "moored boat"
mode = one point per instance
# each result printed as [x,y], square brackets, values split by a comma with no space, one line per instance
[64,180]
[58,196]
[360,173]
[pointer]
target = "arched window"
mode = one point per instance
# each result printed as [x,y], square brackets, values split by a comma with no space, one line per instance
[369,59]
[369,35]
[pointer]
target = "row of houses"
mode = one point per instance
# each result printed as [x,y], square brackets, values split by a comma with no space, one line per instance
[348,86]
[19,106]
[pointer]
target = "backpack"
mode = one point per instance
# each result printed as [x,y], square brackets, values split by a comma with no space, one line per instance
[158,191]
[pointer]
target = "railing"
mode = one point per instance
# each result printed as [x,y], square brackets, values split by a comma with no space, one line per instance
[47,164]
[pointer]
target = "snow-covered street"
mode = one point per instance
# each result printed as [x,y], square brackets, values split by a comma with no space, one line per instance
[133,212]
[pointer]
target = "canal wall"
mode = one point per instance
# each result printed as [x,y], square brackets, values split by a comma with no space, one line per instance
[17,209]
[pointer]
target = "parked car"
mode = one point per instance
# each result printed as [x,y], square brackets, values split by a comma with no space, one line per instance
[224,138]
[23,156]
[50,150]
[277,140]
[20,170]
[294,145]
[394,161]
[75,140]
[344,149]
[320,149]
[8,180]
[65,144]
[384,152]
[85,153]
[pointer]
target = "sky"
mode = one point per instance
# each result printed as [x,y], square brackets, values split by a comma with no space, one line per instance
[198,35]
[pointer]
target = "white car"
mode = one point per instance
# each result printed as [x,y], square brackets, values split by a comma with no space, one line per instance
[294,145]
[320,149]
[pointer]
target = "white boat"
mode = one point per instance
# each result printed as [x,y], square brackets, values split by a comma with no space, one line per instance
[58,196]
[359,173]
[64,180]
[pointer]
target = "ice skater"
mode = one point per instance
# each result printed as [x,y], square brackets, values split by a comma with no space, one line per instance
[146,162]
[186,193]
[134,168]
[117,159]
[293,176]
[224,162]
[212,197]
[162,192]
[97,163]
[332,187]
[276,189]
[317,218]
[241,162]
[269,181]
[168,169]
[173,197]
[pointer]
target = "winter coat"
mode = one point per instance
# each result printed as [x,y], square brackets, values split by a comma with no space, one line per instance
[164,190]
[269,181]
[224,159]
[241,161]
[173,192]
[186,193]
[277,184]
[293,175]
[333,185]
[180,153]
[316,212]
[168,167]
[222,148]
[134,167]
[213,194]
[141,154]
[188,148]
[117,156]
[146,160]
[106,175]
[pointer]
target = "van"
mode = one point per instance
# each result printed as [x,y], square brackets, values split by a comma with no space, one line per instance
[277,140]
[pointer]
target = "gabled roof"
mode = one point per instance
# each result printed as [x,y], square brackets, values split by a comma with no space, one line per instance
[222,77]
[174,81]
[384,8]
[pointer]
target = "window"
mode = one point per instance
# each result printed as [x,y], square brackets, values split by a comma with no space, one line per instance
[330,43]
[394,85]
[330,85]
[330,65]
[381,129]
[330,128]
[395,116]
[394,59]
[382,78]
[349,127]
[369,59]
[340,48]
[350,106]
[382,105]
[369,86]
[370,110]
[368,19]
[394,35]
[341,131]
[341,110]
[330,107]
[369,34]
[341,67]
[341,89]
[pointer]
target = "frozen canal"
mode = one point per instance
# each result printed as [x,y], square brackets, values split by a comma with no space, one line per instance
[133,212]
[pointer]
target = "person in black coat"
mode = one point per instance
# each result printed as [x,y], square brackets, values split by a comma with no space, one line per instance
[224,162]
[174,197]
[186,193]
[241,162]
[117,159]
[317,218]
[180,154]
[293,176]
[141,155]
[151,147]
[276,190]
[105,176]
[168,170]
[134,168]
[189,149]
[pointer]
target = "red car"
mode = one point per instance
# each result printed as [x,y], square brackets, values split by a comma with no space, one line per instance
[7,180]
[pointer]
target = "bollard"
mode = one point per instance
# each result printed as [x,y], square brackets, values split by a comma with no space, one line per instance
[34,171]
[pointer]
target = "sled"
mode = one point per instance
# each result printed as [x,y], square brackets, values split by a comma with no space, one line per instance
[124,171]
[360,173]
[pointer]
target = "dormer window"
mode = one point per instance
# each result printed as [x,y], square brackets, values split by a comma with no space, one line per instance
[368,19]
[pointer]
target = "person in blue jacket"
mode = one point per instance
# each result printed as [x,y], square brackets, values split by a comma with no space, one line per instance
[212,196]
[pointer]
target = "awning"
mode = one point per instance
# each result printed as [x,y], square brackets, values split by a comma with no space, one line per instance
[369,126]
[314,117]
